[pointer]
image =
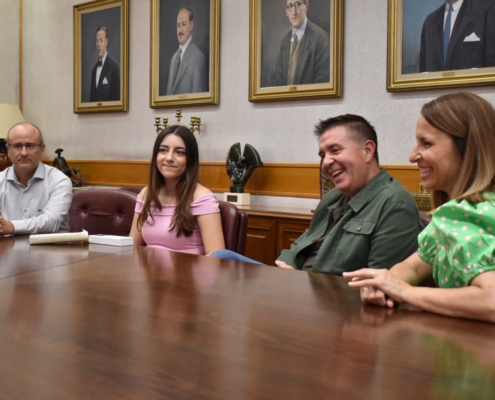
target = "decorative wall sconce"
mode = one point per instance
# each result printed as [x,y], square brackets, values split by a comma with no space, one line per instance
[195,123]
[159,126]
[178,115]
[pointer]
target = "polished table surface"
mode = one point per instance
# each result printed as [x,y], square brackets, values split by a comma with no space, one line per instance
[102,322]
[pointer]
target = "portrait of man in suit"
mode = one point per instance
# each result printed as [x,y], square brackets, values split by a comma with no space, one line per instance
[187,72]
[105,75]
[460,34]
[304,53]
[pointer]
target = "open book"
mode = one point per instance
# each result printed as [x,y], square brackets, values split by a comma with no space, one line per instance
[59,237]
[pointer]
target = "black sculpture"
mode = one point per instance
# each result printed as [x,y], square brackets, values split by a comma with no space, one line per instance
[3,146]
[240,167]
[60,163]
[4,158]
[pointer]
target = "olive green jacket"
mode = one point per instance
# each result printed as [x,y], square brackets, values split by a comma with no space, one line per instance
[379,228]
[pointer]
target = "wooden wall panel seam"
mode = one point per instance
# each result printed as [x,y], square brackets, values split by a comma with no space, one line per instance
[273,179]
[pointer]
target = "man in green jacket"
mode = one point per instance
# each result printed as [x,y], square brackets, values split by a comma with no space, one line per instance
[369,220]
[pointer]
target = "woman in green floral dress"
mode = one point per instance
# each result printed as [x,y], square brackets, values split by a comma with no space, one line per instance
[455,152]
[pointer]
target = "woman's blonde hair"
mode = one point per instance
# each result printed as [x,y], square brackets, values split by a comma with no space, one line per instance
[470,120]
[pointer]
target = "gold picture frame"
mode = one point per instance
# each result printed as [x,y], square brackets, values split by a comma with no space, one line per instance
[414,58]
[319,71]
[195,79]
[101,33]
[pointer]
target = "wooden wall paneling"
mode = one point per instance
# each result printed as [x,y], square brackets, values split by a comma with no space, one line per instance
[295,180]
[408,175]
[112,173]
[213,175]
[274,179]
[298,180]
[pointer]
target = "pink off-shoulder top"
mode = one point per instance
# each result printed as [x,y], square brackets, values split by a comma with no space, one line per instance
[159,235]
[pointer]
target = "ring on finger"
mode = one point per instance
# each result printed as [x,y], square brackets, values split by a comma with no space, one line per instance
[365,288]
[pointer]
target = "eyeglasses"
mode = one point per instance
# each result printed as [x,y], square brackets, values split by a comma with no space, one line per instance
[296,6]
[29,146]
[99,41]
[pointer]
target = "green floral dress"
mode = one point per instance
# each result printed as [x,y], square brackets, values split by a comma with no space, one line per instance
[459,242]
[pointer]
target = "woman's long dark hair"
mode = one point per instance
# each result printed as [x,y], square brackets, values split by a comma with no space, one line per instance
[183,222]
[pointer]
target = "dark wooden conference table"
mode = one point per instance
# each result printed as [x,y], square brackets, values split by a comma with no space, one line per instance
[86,321]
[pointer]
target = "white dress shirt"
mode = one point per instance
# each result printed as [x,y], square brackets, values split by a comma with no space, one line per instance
[40,207]
[455,7]
[300,32]
[184,48]
[98,69]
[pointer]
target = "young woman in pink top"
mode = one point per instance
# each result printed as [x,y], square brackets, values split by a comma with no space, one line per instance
[174,211]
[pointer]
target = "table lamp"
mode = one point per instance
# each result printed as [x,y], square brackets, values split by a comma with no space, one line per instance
[10,114]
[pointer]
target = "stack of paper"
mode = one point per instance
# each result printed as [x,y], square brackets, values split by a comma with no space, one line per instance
[111,240]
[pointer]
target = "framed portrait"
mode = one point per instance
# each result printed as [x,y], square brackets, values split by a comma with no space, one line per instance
[101,49]
[434,44]
[185,52]
[295,49]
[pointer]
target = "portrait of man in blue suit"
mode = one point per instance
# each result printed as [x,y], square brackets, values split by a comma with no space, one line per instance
[459,35]
[446,35]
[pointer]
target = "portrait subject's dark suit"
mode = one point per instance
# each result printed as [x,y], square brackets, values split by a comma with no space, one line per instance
[313,63]
[191,77]
[109,83]
[472,42]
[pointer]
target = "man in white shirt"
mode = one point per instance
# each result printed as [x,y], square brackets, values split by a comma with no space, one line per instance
[187,73]
[34,198]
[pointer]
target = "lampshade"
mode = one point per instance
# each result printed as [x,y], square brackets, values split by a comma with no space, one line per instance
[10,114]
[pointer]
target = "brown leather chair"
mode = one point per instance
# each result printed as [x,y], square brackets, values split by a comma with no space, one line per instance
[132,189]
[102,211]
[234,226]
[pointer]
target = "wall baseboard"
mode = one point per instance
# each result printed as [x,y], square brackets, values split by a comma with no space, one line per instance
[273,179]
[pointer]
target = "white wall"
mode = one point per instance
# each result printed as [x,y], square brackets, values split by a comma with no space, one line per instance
[9,51]
[281,131]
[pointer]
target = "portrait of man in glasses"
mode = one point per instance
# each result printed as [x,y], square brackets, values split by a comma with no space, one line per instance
[304,54]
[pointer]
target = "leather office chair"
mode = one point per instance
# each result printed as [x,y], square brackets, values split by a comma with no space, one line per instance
[425,218]
[234,226]
[102,211]
[132,189]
